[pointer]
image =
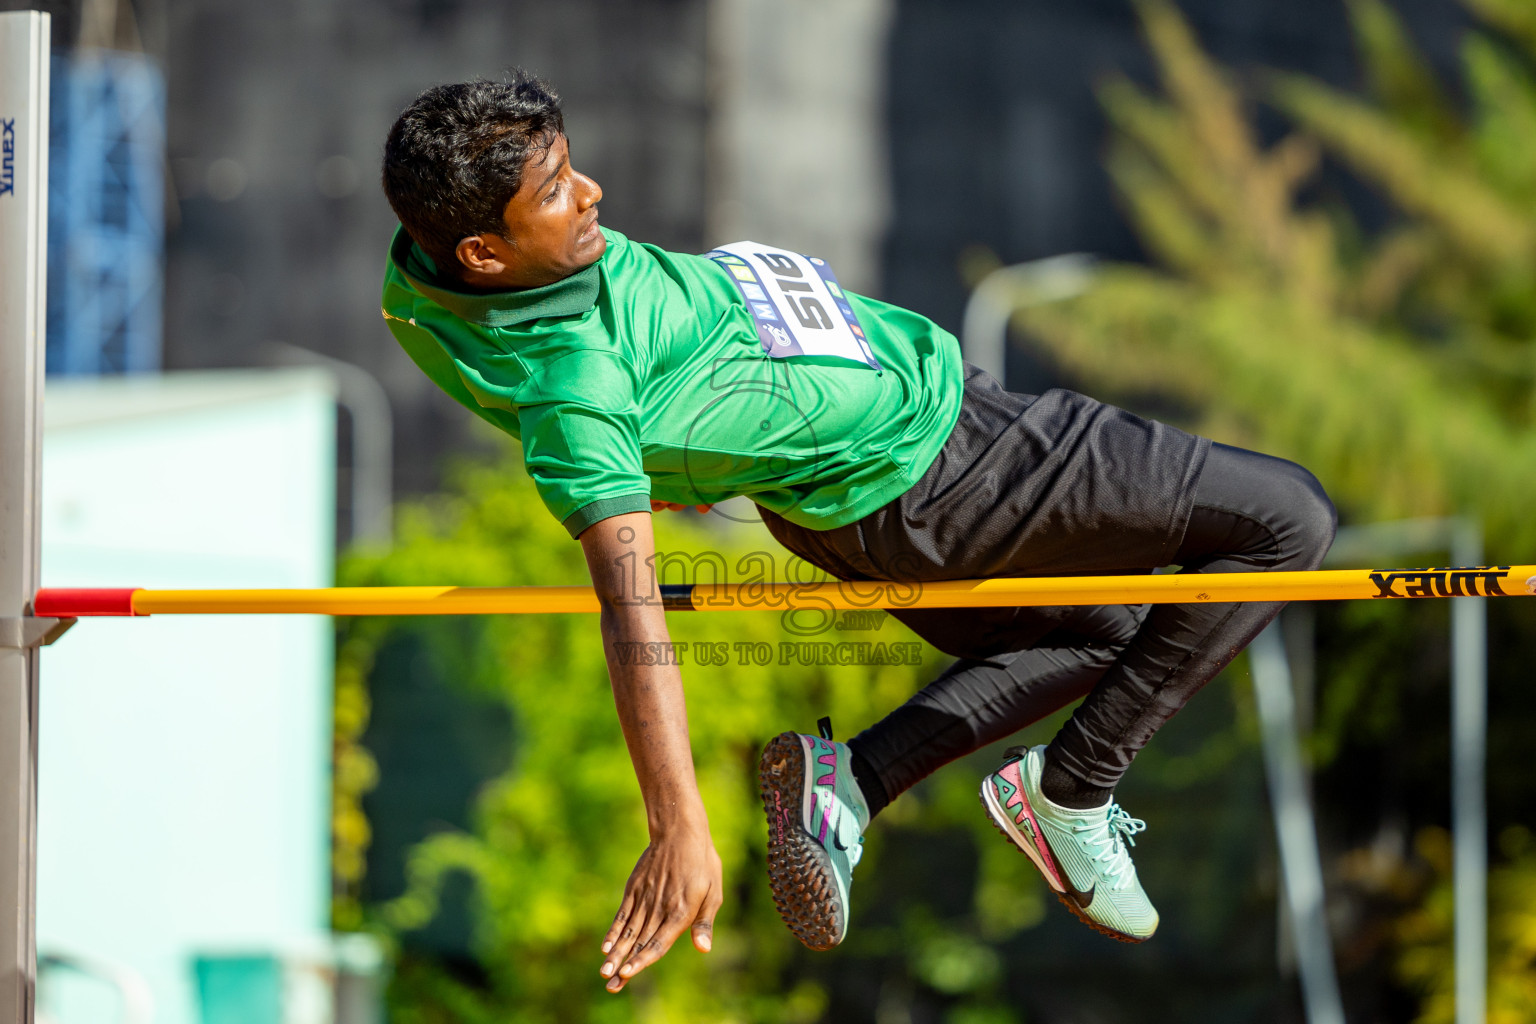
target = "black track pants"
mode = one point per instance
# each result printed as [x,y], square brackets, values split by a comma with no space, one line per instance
[1236,511]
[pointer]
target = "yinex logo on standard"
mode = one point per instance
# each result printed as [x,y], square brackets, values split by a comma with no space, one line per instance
[796,302]
[7,156]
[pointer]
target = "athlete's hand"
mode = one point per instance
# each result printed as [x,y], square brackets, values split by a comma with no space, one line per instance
[676,884]
[672,506]
[675,887]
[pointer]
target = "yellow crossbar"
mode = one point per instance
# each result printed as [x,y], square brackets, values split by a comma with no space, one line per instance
[1188,588]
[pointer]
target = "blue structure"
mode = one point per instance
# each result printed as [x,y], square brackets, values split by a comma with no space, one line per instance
[106,213]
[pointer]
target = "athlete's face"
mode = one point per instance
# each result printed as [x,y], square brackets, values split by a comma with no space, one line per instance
[550,228]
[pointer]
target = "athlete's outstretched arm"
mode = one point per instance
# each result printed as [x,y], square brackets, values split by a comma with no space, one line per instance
[676,883]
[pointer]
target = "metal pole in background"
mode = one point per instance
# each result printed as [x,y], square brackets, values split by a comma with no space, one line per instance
[1469,797]
[23,305]
[372,493]
[1463,537]
[984,341]
[1005,291]
[1295,829]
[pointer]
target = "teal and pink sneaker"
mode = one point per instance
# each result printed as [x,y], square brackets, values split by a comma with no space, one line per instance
[816,821]
[1083,854]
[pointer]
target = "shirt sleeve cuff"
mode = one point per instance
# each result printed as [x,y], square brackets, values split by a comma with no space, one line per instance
[605,508]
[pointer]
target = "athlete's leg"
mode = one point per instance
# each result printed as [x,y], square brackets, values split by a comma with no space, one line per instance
[979,700]
[819,794]
[1025,485]
[1251,513]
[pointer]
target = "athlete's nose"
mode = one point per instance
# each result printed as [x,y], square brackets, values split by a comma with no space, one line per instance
[591,191]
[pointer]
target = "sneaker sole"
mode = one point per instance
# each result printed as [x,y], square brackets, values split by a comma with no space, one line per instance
[799,869]
[1018,841]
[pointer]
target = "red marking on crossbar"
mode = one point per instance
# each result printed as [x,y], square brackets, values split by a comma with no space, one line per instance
[74,602]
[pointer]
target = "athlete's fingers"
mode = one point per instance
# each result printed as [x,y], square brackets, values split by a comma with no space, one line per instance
[644,919]
[662,926]
[704,924]
[624,947]
[641,951]
[626,926]
[635,917]
[654,943]
[670,912]
[674,887]
[625,909]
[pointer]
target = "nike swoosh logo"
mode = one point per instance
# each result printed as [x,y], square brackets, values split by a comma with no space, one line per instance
[1082,899]
[837,839]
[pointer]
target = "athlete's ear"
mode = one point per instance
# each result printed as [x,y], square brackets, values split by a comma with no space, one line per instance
[479,256]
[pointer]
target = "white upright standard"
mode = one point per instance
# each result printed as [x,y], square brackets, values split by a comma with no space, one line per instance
[23,285]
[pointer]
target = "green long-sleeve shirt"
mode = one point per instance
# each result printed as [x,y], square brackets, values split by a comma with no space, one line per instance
[689,379]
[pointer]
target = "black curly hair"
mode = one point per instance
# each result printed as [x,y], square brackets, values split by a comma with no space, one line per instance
[455,157]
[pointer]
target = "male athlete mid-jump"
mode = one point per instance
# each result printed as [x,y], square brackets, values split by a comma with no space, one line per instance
[638,379]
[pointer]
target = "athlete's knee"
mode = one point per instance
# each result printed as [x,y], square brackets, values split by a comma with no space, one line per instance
[1313,520]
[1259,509]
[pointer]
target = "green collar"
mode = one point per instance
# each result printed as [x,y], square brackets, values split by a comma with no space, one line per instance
[569,296]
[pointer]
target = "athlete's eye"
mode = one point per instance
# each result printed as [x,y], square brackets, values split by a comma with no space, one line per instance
[552,193]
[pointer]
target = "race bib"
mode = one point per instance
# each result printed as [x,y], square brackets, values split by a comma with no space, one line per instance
[796,303]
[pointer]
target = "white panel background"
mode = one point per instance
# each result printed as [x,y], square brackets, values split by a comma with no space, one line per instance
[184,776]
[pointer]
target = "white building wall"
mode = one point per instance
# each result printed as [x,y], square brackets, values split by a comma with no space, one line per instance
[184,762]
[797,142]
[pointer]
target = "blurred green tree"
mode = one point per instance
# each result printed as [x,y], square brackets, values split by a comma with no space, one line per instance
[556,833]
[1399,365]
[1426,934]
[1399,368]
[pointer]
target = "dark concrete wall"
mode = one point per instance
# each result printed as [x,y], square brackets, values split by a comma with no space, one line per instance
[997,138]
[299,95]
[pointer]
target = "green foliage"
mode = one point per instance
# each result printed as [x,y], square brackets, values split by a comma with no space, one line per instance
[1400,367]
[354,773]
[946,914]
[557,832]
[1427,934]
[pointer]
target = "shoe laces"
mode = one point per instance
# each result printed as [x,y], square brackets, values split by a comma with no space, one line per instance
[1112,838]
